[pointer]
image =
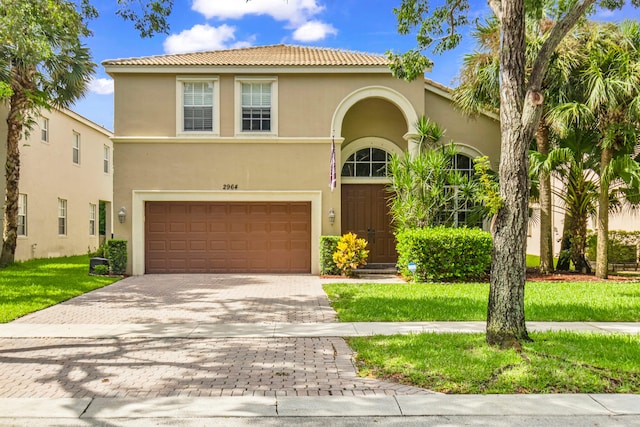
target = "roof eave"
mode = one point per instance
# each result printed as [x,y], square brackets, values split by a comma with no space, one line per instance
[240,69]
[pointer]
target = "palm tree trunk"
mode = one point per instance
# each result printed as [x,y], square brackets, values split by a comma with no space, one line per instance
[546,233]
[505,313]
[602,263]
[18,106]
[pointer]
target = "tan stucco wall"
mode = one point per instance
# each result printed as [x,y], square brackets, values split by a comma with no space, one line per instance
[48,173]
[270,168]
[375,117]
[482,132]
[145,104]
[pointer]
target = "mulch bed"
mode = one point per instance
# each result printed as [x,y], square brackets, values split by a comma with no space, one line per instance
[534,275]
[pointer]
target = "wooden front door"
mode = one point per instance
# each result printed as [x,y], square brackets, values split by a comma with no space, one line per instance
[365,212]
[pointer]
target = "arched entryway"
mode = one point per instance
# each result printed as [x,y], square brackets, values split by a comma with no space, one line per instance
[374,123]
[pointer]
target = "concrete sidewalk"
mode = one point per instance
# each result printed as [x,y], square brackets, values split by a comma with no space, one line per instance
[561,408]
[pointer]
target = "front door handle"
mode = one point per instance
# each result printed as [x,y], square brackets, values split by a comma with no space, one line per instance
[371,235]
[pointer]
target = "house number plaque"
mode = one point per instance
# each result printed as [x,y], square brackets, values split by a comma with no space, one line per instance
[230,186]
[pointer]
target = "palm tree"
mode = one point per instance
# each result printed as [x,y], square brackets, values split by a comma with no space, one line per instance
[479,89]
[424,189]
[606,96]
[43,64]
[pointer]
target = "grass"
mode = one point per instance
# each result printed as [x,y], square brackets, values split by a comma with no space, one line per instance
[32,285]
[558,301]
[559,362]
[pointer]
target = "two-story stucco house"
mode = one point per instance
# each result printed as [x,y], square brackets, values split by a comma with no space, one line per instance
[222,158]
[66,185]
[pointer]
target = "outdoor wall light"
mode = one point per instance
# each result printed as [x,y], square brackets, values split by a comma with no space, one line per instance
[122,215]
[332,216]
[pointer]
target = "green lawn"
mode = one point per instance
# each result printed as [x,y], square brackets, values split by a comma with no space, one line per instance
[559,362]
[32,285]
[558,301]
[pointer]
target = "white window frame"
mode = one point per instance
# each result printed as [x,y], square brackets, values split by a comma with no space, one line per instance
[106,161]
[92,219]
[62,217]
[180,81]
[76,148]
[22,215]
[44,130]
[274,106]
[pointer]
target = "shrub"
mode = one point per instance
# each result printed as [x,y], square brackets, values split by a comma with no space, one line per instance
[350,253]
[101,270]
[100,252]
[622,246]
[117,255]
[328,246]
[445,254]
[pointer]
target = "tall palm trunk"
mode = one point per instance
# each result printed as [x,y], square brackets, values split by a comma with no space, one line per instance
[602,263]
[17,108]
[546,234]
[505,314]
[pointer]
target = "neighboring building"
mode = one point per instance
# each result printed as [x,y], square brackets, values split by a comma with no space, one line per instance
[624,220]
[66,185]
[222,158]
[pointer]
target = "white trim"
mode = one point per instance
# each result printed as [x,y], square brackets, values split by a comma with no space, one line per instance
[367,142]
[382,92]
[207,69]
[428,85]
[237,105]
[139,197]
[222,140]
[467,150]
[75,116]
[180,80]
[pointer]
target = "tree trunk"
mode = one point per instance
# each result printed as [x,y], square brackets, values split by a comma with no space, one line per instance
[564,260]
[18,105]
[602,263]
[505,314]
[546,233]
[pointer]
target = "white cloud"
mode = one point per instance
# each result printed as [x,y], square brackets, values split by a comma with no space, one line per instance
[313,31]
[203,37]
[295,12]
[101,86]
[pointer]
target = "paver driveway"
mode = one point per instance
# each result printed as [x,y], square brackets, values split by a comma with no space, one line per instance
[204,366]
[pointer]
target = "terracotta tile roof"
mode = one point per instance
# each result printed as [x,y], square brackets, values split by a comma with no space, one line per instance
[275,55]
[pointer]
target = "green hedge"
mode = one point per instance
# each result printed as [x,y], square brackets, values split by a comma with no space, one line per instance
[445,254]
[622,246]
[117,255]
[328,246]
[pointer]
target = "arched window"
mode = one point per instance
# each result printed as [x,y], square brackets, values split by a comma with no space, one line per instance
[367,163]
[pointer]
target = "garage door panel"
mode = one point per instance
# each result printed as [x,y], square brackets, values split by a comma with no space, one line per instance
[223,237]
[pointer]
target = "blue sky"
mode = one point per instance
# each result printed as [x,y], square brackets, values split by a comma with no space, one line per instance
[196,25]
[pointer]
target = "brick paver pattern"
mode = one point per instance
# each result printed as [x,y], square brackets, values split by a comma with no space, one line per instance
[153,367]
[206,298]
[135,368]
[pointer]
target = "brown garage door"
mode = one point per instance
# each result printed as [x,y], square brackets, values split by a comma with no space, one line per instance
[228,237]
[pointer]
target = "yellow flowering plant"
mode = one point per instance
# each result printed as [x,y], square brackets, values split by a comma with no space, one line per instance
[350,253]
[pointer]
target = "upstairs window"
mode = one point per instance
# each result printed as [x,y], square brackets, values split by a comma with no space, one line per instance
[44,129]
[197,104]
[75,150]
[106,162]
[22,215]
[256,107]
